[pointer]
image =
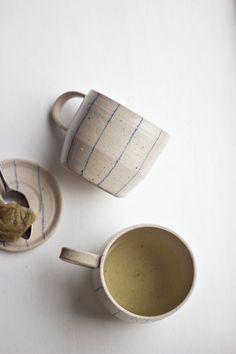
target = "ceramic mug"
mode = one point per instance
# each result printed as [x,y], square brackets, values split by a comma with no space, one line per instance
[146,272]
[107,144]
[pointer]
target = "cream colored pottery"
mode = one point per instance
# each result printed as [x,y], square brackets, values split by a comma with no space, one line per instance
[44,197]
[108,144]
[178,288]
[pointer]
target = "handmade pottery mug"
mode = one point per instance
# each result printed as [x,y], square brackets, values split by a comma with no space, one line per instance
[145,273]
[107,144]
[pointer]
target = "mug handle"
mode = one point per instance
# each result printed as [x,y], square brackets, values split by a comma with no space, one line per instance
[82,258]
[58,105]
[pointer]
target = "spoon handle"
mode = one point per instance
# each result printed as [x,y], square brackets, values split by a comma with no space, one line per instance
[4,182]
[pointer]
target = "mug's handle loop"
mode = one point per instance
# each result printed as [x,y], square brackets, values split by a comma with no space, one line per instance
[58,105]
[81,258]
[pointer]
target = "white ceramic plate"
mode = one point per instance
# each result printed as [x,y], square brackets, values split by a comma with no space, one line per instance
[43,194]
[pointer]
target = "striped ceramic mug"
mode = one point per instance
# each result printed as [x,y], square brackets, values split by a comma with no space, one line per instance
[145,273]
[107,144]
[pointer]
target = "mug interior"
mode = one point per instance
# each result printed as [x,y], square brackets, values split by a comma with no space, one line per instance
[148,271]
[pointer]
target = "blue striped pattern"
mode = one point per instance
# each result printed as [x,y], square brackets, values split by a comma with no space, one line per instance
[122,153]
[94,146]
[41,203]
[81,122]
[149,152]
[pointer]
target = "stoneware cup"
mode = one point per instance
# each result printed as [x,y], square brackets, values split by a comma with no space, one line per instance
[154,253]
[107,144]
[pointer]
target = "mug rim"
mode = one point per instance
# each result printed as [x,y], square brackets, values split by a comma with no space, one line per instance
[105,254]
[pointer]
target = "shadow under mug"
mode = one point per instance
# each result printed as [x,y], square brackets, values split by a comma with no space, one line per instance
[146,272]
[108,144]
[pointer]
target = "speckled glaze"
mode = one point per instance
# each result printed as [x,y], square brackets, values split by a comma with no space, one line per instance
[97,264]
[108,144]
[44,196]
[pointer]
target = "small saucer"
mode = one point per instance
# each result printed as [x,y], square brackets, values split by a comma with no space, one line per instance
[43,194]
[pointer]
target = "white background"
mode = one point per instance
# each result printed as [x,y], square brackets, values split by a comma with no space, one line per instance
[174,62]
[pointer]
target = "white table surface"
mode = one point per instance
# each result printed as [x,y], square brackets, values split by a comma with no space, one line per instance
[174,62]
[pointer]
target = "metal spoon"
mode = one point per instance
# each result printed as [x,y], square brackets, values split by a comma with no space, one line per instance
[10,195]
